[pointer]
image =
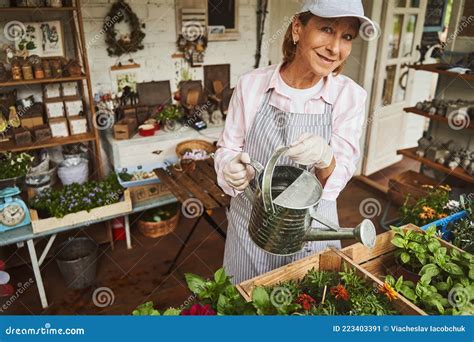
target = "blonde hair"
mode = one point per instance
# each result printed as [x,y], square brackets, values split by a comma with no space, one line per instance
[289,48]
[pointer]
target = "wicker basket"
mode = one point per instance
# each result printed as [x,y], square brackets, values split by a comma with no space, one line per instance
[190,145]
[157,229]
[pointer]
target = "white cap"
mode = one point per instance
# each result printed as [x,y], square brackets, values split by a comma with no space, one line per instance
[336,9]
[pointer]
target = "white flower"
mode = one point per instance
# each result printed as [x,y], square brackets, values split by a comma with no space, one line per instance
[451,205]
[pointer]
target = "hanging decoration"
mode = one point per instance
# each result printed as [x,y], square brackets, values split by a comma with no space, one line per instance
[193,48]
[262,12]
[120,44]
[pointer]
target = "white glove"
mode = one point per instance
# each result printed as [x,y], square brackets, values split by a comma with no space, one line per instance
[238,173]
[311,149]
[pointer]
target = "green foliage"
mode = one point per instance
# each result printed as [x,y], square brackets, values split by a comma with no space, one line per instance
[170,112]
[444,275]
[75,197]
[463,229]
[14,165]
[219,293]
[286,298]
[427,209]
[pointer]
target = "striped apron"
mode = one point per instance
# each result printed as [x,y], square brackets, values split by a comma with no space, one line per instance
[271,129]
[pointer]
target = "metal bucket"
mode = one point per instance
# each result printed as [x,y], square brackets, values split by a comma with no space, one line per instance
[285,201]
[77,261]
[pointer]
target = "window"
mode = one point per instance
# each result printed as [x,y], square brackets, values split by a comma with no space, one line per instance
[223,19]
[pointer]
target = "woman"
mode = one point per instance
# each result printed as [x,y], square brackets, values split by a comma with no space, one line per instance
[303,103]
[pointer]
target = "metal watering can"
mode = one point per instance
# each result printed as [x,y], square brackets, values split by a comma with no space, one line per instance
[284,203]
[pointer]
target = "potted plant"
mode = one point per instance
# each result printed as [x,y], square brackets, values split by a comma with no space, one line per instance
[76,197]
[169,117]
[13,168]
[427,209]
[160,221]
[445,284]
[461,231]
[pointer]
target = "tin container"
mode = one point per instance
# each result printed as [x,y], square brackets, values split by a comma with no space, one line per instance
[285,201]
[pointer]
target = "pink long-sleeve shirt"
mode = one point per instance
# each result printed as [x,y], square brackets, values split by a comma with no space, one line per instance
[348,105]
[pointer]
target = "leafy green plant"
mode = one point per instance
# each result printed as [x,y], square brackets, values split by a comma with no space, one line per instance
[170,113]
[463,229]
[14,165]
[322,293]
[147,309]
[75,197]
[444,275]
[426,209]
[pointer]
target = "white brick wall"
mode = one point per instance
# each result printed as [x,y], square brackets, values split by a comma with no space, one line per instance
[160,43]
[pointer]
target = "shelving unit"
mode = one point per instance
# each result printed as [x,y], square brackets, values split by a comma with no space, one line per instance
[439,69]
[70,15]
[457,172]
[440,118]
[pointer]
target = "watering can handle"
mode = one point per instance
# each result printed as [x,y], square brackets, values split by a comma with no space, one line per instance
[258,169]
[268,176]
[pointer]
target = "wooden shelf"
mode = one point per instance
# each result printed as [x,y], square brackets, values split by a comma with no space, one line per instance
[457,172]
[42,81]
[73,139]
[439,69]
[36,9]
[433,117]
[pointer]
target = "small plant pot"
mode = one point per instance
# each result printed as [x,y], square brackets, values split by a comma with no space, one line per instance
[401,270]
[170,125]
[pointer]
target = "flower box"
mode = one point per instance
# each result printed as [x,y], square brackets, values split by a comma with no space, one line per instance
[82,217]
[381,261]
[328,260]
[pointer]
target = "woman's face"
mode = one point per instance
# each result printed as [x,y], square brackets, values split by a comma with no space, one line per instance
[324,44]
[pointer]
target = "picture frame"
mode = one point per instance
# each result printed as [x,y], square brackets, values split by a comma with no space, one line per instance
[59,128]
[45,39]
[78,125]
[52,91]
[217,29]
[55,110]
[122,77]
[69,89]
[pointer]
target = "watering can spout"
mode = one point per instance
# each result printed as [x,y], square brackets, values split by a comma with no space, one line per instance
[364,233]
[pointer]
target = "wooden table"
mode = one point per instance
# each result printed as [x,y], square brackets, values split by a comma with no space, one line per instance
[197,190]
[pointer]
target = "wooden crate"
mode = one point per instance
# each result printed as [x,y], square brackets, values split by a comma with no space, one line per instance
[380,260]
[329,260]
[82,217]
[125,128]
[148,192]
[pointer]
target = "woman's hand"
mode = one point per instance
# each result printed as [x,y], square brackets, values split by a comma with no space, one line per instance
[238,173]
[310,149]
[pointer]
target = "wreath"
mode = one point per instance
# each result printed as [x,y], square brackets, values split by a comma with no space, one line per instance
[126,43]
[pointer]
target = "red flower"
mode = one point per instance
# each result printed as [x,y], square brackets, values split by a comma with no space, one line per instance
[306,301]
[199,310]
[340,292]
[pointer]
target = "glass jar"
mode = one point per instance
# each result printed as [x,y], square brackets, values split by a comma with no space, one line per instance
[56,68]
[27,70]
[47,69]
[16,72]
[39,72]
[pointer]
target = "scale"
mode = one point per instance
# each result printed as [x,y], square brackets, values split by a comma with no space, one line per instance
[13,211]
